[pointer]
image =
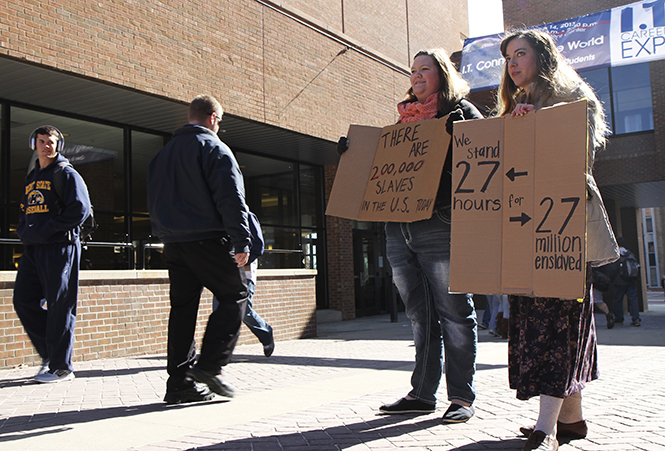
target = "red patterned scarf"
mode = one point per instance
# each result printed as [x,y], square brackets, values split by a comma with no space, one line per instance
[416,111]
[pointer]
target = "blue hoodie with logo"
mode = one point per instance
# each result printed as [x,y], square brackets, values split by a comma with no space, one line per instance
[47,216]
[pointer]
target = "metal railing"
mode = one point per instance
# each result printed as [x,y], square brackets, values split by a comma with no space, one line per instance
[150,246]
[84,246]
[144,249]
[89,243]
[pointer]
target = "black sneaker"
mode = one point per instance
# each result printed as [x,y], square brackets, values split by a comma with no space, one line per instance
[610,320]
[458,414]
[636,322]
[215,382]
[404,405]
[269,349]
[195,393]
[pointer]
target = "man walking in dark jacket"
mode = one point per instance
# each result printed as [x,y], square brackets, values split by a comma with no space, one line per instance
[55,203]
[196,200]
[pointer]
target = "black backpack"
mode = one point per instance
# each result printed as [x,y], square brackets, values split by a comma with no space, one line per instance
[89,224]
[629,268]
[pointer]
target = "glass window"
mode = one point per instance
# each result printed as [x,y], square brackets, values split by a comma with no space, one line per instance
[599,80]
[144,147]
[310,252]
[625,92]
[270,187]
[2,184]
[631,92]
[310,205]
[282,248]
[96,151]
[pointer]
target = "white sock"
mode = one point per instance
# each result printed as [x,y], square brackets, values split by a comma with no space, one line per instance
[571,409]
[549,414]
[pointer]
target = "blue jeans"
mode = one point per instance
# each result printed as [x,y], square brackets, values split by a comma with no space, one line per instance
[619,292]
[256,324]
[419,254]
[487,314]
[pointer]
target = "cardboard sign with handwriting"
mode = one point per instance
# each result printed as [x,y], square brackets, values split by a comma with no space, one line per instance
[518,207]
[390,174]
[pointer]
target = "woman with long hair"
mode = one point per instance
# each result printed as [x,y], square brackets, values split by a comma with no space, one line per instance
[552,342]
[419,254]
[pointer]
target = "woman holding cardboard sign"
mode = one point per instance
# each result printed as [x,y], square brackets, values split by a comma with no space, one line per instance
[419,254]
[552,342]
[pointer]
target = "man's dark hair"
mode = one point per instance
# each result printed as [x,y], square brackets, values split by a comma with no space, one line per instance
[48,130]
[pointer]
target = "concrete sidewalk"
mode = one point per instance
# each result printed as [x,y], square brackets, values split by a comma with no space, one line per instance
[323,394]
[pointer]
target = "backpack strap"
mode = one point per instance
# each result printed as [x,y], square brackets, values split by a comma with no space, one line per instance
[59,179]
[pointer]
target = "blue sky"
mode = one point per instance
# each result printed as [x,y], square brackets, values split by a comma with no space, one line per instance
[485,17]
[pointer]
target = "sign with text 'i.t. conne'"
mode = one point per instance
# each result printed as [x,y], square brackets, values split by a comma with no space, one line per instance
[390,174]
[518,206]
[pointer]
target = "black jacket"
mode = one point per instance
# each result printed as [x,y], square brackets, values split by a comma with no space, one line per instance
[444,194]
[196,190]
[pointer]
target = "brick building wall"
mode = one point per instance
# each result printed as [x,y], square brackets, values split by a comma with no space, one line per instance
[310,67]
[262,64]
[130,316]
[520,13]
[396,29]
[341,284]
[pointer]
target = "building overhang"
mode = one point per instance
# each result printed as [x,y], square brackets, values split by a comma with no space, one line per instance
[36,86]
[636,195]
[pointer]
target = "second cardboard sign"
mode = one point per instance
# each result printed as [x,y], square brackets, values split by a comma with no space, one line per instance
[518,206]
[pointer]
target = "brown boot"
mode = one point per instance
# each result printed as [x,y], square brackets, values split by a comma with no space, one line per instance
[502,325]
[541,442]
[563,430]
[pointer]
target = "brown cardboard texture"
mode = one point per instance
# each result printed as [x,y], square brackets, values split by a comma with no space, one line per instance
[518,213]
[353,171]
[390,174]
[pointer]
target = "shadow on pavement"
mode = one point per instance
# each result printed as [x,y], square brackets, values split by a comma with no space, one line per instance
[336,362]
[6,383]
[350,435]
[15,428]
[651,332]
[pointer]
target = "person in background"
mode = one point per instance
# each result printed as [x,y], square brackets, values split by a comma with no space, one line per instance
[49,225]
[552,342]
[625,286]
[196,201]
[419,254]
[600,283]
[257,325]
[487,314]
[500,313]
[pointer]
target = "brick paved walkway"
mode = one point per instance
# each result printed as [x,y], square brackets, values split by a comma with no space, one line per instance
[322,394]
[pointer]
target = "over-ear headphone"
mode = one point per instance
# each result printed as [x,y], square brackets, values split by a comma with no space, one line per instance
[33,138]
